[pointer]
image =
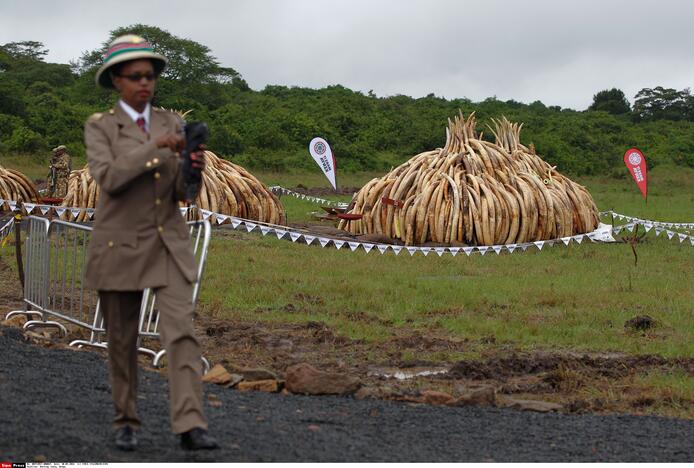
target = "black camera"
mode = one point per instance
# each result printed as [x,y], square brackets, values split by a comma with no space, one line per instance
[196,135]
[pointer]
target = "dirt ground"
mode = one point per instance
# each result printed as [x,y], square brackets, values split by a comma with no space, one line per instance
[577,382]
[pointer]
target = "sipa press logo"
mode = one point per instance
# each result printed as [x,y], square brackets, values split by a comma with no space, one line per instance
[12,465]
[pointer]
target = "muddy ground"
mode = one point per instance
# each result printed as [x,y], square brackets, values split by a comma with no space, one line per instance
[574,382]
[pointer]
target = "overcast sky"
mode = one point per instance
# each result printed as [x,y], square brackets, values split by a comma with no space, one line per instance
[560,52]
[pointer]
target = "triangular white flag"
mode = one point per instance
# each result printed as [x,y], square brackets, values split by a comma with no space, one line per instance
[221,218]
[75,212]
[440,250]
[682,237]
[323,241]
[617,229]
[411,250]
[250,226]
[90,214]
[235,222]
[308,239]
[425,250]
[647,227]
[468,250]
[670,234]
[60,210]
[539,244]
[454,250]
[29,207]
[396,248]
[353,245]
[367,247]
[205,214]
[382,248]
[338,243]
[294,236]
[658,230]
[265,229]
[280,233]
[183,210]
[578,238]
[44,209]
[525,246]
[511,248]
[497,248]
[566,240]
[12,204]
[482,249]
[691,239]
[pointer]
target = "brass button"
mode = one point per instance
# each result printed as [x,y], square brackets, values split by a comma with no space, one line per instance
[157,201]
[157,175]
[110,243]
[160,228]
[155,161]
[148,164]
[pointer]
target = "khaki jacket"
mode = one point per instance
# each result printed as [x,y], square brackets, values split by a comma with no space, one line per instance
[137,219]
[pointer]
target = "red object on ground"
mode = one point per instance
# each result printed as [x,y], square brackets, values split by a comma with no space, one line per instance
[349,216]
[50,200]
[636,163]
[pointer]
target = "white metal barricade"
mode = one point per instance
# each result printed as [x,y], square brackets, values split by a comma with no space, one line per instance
[55,260]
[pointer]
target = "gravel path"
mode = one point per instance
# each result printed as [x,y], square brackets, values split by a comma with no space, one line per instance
[55,405]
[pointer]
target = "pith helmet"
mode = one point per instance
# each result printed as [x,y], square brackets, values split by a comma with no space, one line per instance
[123,49]
[59,148]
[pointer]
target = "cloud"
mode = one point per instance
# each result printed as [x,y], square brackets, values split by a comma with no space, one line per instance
[558,52]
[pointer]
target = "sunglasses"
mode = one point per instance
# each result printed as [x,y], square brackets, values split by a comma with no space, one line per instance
[136,77]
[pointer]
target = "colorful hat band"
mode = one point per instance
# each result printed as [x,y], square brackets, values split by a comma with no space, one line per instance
[145,49]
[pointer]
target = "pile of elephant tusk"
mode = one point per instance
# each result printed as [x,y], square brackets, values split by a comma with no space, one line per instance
[227,188]
[473,192]
[16,186]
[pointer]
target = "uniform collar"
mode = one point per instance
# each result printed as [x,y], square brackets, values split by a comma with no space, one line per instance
[133,114]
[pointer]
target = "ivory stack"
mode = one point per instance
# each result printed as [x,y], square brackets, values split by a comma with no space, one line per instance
[16,186]
[227,188]
[474,192]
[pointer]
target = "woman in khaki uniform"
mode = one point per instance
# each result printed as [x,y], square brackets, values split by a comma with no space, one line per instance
[140,240]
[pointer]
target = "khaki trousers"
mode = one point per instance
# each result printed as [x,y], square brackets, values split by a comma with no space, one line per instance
[121,311]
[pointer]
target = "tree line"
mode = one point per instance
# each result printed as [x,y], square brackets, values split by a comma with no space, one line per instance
[45,104]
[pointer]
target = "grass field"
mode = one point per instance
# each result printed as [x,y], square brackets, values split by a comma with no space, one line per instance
[577,296]
[574,298]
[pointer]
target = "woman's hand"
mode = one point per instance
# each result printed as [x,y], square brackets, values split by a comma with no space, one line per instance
[173,141]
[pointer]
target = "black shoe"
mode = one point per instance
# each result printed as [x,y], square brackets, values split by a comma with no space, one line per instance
[198,439]
[125,439]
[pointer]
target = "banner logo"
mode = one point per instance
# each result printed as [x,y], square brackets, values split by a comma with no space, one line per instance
[636,163]
[635,159]
[324,157]
[319,148]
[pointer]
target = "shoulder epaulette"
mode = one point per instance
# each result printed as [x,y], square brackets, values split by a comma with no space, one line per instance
[95,116]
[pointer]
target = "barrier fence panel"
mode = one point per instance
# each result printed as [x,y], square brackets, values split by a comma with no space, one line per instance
[200,233]
[66,298]
[36,262]
[55,267]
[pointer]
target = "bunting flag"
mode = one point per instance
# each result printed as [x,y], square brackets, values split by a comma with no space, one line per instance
[276,189]
[647,222]
[604,232]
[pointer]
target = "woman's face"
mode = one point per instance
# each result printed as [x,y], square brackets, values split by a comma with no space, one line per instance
[135,83]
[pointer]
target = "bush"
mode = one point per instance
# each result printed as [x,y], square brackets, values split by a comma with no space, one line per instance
[25,140]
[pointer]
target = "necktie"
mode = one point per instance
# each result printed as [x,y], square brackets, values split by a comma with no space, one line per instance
[141,123]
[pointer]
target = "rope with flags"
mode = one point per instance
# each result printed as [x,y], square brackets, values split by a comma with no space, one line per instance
[604,232]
